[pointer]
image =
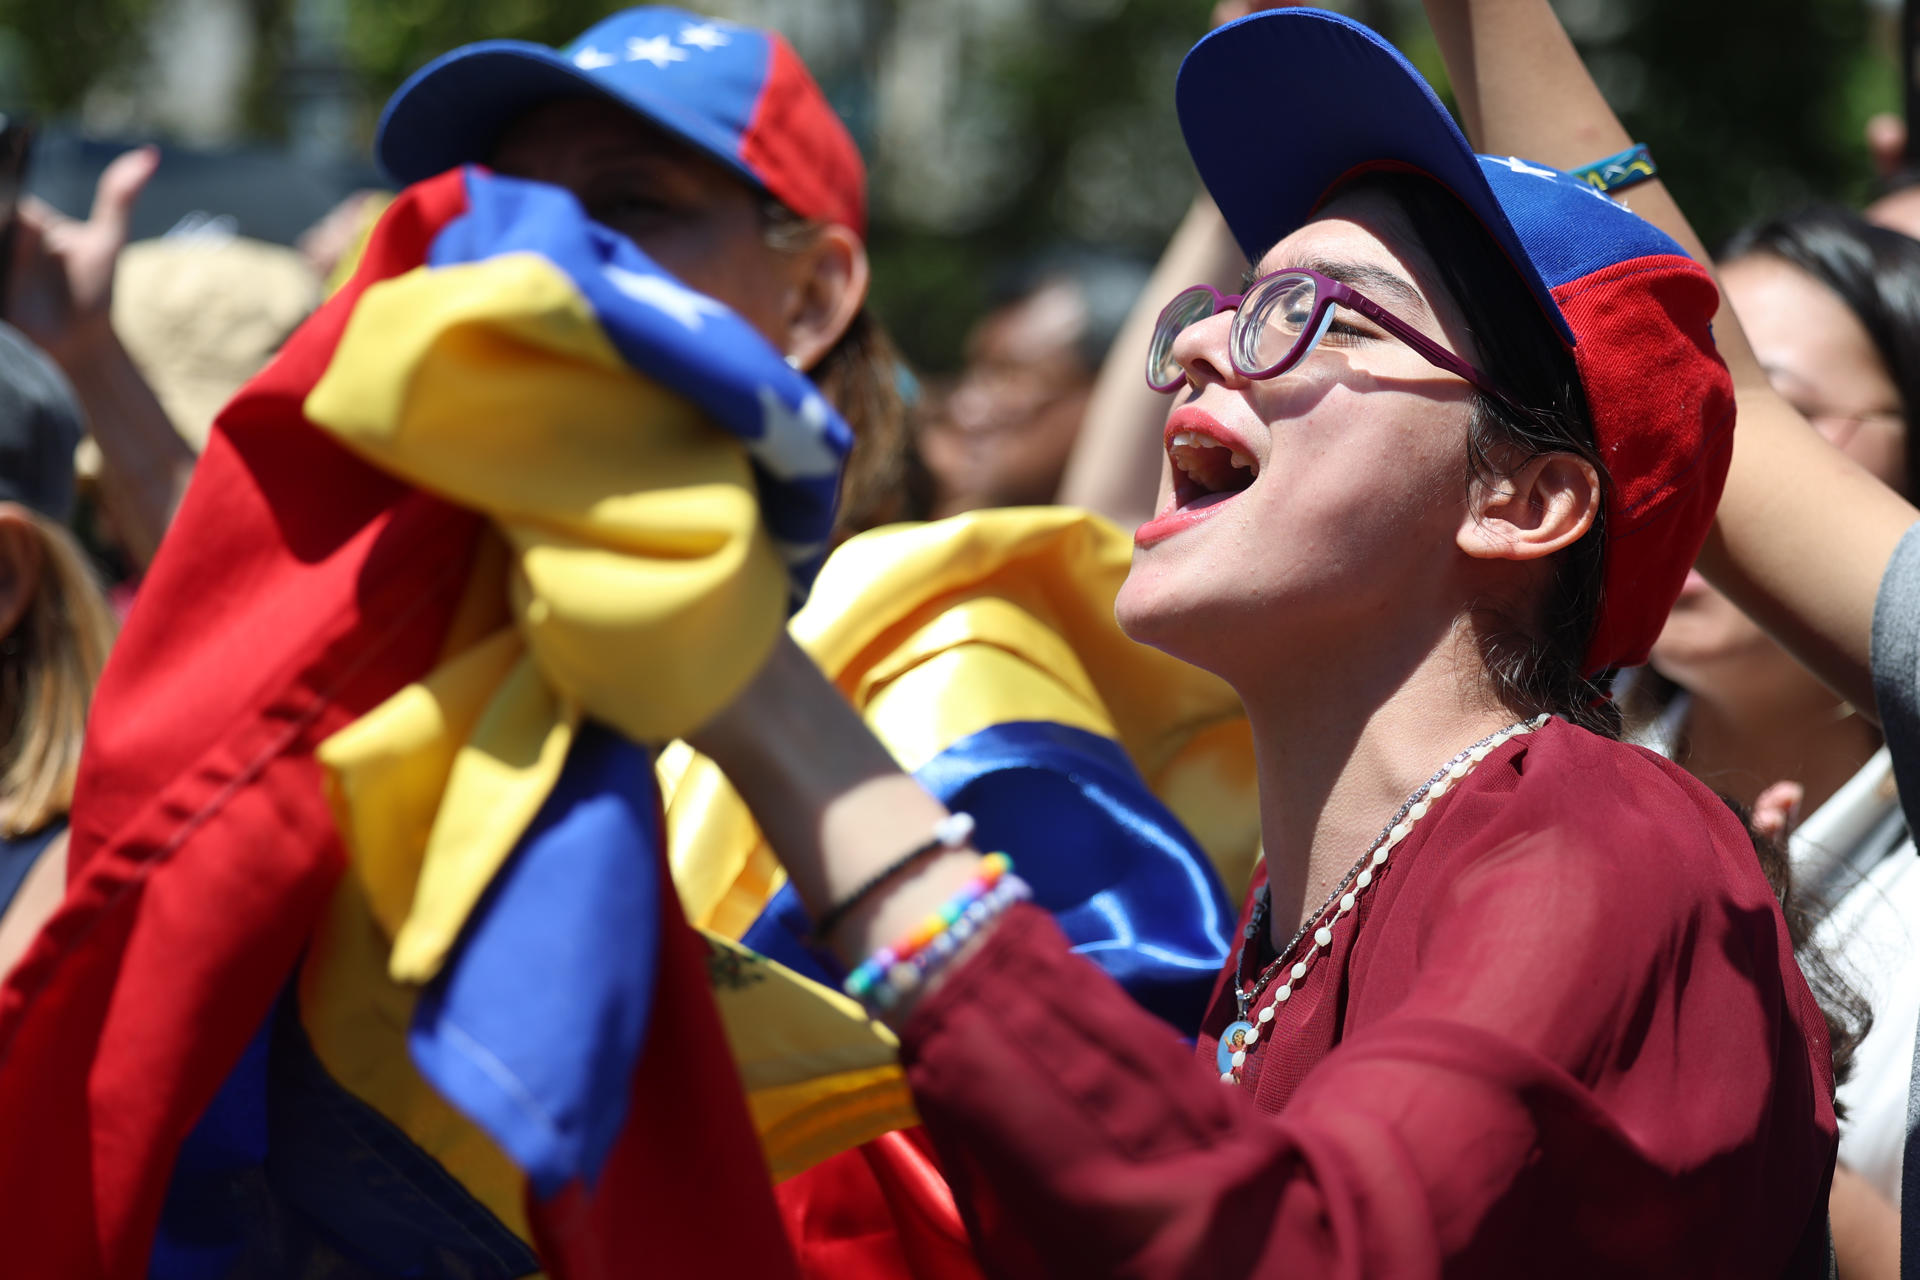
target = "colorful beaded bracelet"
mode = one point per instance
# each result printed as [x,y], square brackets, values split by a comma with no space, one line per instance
[893,971]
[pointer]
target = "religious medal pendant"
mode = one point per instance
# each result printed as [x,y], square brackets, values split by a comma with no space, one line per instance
[1234,1043]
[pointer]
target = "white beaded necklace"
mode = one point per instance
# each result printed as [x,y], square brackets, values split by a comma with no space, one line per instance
[1239,1039]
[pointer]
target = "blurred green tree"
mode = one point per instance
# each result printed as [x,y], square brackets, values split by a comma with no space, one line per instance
[389,39]
[53,51]
[998,128]
[1749,106]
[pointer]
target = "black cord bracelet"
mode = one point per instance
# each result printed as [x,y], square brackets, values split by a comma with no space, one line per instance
[951,832]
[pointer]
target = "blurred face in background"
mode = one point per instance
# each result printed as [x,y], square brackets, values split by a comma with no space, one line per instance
[1820,358]
[1001,436]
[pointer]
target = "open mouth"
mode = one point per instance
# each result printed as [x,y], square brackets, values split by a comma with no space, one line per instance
[1206,471]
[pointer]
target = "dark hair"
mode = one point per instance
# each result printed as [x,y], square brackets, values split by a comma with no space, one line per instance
[1842,1006]
[1873,269]
[1537,664]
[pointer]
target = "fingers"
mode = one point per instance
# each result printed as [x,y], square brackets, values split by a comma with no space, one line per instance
[1776,811]
[119,189]
[38,214]
[1887,142]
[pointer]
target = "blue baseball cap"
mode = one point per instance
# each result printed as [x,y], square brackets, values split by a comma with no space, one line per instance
[1282,108]
[733,92]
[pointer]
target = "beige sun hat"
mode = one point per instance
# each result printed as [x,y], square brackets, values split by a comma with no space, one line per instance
[202,312]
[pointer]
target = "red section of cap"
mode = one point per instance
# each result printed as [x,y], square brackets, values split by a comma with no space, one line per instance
[798,146]
[1662,405]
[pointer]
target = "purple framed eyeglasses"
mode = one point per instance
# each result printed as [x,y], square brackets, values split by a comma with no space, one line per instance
[1278,322]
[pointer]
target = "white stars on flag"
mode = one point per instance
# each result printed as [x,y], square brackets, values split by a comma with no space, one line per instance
[592,59]
[704,36]
[658,50]
[683,304]
[794,446]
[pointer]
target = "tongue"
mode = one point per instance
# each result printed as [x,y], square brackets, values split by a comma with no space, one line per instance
[1210,499]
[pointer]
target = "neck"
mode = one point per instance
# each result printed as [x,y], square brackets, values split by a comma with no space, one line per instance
[1339,753]
[1797,731]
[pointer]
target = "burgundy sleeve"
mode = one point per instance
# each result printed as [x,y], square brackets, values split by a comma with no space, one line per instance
[1578,1075]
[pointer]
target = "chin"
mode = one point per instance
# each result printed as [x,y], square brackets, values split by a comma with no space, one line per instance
[1142,609]
[1170,613]
[1700,644]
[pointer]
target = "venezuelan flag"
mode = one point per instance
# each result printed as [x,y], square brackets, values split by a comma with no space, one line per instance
[370,962]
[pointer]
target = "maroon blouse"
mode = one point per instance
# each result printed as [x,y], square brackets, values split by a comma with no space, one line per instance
[1563,1029]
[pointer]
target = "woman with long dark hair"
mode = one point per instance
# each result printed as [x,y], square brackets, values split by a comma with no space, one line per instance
[1831,304]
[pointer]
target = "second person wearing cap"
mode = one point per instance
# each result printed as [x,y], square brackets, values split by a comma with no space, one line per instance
[1513,994]
[709,145]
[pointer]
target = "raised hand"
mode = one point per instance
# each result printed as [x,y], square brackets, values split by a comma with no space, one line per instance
[60,289]
[1776,811]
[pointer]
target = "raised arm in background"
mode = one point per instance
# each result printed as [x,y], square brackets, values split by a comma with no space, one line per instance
[60,294]
[1803,534]
[1115,465]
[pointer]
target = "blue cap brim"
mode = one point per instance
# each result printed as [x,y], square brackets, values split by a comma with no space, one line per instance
[454,110]
[1280,106]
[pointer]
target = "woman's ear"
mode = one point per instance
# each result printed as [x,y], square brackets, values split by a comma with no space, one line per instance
[1544,506]
[22,559]
[828,288]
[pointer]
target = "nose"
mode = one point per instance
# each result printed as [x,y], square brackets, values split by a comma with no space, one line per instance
[1201,350]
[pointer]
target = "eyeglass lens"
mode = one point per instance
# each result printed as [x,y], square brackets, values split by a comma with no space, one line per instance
[1269,333]
[1188,307]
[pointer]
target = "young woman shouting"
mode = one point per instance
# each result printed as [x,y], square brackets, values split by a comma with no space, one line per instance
[1512,994]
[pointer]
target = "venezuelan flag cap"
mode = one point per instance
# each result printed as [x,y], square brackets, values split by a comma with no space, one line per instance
[1282,108]
[736,93]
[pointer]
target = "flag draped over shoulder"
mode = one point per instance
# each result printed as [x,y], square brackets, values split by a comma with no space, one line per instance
[513,500]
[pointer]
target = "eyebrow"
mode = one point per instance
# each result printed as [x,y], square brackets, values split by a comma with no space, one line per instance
[1371,280]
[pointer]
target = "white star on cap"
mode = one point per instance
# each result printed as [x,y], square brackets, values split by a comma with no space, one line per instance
[704,36]
[655,49]
[683,304]
[1518,165]
[592,59]
[794,444]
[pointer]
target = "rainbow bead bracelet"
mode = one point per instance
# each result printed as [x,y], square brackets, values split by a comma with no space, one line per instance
[893,971]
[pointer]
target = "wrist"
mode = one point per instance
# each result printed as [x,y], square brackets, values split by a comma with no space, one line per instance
[87,350]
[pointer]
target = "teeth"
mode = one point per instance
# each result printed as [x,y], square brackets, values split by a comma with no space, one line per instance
[1210,462]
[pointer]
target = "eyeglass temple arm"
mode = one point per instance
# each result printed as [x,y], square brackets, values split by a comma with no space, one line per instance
[1433,352]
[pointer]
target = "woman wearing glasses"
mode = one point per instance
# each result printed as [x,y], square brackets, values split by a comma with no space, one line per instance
[1831,304]
[1510,994]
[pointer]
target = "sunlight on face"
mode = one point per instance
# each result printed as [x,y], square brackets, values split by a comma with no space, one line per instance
[1357,458]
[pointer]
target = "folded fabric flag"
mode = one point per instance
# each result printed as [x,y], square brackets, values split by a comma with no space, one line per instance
[983,651]
[511,481]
